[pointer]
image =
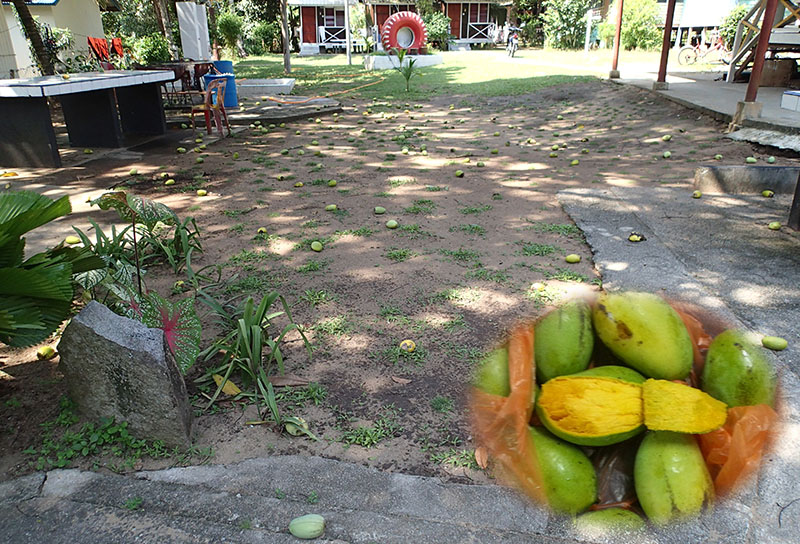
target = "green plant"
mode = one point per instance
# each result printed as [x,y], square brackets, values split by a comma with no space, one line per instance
[134,503]
[230,26]
[442,404]
[640,20]
[562,229]
[456,458]
[312,498]
[407,69]
[334,326]
[461,254]
[386,426]
[727,30]
[250,351]
[399,254]
[474,210]
[312,266]
[438,25]
[263,38]
[421,206]
[35,293]
[475,230]
[564,23]
[316,297]
[532,249]
[152,49]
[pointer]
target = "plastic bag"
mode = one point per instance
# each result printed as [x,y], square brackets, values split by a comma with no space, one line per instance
[734,451]
[501,423]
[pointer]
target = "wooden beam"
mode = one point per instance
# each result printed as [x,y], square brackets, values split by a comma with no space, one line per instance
[662,67]
[761,51]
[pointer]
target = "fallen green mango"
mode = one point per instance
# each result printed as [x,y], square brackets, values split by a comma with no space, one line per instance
[563,341]
[737,371]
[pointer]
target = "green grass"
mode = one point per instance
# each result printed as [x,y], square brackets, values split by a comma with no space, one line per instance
[565,274]
[399,255]
[297,397]
[474,210]
[399,181]
[461,254]
[564,230]
[413,231]
[316,297]
[456,458]
[312,266]
[456,76]
[361,231]
[475,230]
[421,206]
[442,404]
[397,356]
[386,426]
[531,249]
[334,326]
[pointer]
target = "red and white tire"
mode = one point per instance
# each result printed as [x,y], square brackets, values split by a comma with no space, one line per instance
[404,30]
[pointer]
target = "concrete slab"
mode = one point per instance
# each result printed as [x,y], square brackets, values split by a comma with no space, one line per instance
[704,91]
[740,179]
[386,62]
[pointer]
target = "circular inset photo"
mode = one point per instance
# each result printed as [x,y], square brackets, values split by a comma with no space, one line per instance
[625,409]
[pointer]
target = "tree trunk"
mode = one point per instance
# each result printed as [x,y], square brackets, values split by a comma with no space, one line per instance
[212,22]
[164,24]
[32,32]
[287,60]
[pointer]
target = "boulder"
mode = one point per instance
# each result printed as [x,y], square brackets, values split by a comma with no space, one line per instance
[117,367]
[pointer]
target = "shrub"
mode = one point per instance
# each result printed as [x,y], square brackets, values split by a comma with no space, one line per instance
[229,27]
[727,29]
[263,38]
[438,25]
[533,31]
[564,23]
[152,49]
[640,25]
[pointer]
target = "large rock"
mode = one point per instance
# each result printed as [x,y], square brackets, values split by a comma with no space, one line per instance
[117,367]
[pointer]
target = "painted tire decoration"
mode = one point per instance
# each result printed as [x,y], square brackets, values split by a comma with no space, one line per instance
[404,30]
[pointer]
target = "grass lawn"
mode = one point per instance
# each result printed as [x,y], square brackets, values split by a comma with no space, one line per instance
[476,73]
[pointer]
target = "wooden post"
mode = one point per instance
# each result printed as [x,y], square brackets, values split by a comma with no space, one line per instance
[588,31]
[614,74]
[662,68]
[348,38]
[761,51]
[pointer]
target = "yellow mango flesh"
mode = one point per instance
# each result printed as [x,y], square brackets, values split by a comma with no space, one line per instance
[670,406]
[584,409]
[591,407]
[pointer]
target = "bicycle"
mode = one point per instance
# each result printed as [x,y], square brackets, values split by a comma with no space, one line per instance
[690,54]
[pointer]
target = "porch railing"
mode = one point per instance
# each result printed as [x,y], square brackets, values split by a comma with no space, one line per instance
[480,31]
[332,35]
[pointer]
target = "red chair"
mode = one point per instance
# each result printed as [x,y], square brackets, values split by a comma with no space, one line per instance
[214,103]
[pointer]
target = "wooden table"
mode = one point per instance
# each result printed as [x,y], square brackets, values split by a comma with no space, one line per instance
[100,108]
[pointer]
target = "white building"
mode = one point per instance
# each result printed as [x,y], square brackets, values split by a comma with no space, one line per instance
[82,17]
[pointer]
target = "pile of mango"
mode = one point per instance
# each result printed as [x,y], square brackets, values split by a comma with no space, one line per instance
[639,393]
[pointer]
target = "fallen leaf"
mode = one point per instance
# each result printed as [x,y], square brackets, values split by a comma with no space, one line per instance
[8,175]
[481,457]
[229,388]
[288,380]
[401,381]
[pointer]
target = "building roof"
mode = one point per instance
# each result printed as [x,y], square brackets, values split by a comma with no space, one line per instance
[322,3]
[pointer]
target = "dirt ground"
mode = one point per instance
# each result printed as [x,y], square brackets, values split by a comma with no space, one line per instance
[455,275]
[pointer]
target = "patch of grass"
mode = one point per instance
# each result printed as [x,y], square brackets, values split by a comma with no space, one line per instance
[455,323]
[361,231]
[399,181]
[436,188]
[254,283]
[398,255]
[313,266]
[565,274]
[246,257]
[562,229]
[542,297]
[397,356]
[313,498]
[384,427]
[334,326]
[442,404]
[413,231]
[237,228]
[134,503]
[316,297]
[474,210]
[461,254]
[456,294]
[456,458]
[532,249]
[496,276]
[297,397]
[234,213]
[421,206]
[305,244]
[475,230]
[383,194]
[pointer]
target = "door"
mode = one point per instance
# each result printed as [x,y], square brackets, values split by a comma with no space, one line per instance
[454,12]
[309,24]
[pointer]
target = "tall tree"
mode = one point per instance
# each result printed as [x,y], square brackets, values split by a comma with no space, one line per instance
[32,32]
[285,34]
[164,24]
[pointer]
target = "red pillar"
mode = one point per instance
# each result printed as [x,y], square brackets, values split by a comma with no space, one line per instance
[761,51]
[665,45]
[615,55]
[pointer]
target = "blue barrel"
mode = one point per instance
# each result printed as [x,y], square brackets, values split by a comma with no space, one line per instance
[226,67]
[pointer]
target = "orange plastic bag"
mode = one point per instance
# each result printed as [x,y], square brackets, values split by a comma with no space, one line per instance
[734,452]
[501,423]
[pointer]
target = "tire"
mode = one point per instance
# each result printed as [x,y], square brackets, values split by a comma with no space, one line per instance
[687,56]
[404,30]
[513,50]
